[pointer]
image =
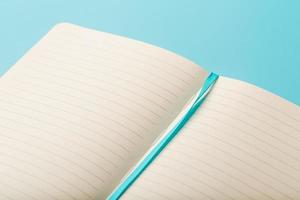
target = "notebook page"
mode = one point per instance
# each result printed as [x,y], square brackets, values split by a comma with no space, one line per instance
[243,143]
[81,107]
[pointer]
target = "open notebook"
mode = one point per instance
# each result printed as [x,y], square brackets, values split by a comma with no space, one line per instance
[82,108]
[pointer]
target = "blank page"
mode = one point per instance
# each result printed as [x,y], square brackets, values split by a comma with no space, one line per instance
[81,107]
[243,143]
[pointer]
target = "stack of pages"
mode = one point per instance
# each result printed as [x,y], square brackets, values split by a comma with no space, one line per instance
[82,108]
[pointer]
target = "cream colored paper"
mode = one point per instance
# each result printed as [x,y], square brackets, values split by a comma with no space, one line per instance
[243,143]
[81,108]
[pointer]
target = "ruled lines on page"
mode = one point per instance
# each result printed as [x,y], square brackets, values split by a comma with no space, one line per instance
[244,143]
[81,107]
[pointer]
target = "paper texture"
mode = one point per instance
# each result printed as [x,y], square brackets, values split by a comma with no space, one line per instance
[81,107]
[243,143]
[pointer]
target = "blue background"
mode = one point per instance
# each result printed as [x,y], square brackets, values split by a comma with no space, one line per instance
[257,41]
